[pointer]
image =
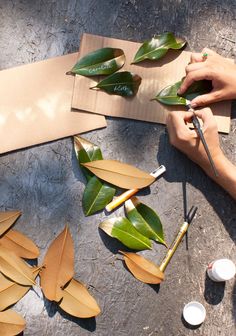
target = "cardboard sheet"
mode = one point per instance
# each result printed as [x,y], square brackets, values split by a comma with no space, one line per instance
[155,76]
[35,104]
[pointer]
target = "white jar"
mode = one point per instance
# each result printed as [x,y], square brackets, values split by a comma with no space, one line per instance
[221,270]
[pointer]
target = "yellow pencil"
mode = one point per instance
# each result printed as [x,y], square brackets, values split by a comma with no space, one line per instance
[129,193]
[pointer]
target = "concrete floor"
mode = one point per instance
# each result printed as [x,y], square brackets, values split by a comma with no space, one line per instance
[47,185]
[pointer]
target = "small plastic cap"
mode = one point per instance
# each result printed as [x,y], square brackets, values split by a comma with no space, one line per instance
[194,313]
[225,269]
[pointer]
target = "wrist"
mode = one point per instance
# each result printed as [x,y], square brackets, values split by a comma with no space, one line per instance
[226,173]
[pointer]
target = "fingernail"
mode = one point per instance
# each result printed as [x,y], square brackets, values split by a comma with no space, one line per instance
[194,105]
[179,91]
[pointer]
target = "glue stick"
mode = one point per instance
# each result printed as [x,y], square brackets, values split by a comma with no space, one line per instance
[221,270]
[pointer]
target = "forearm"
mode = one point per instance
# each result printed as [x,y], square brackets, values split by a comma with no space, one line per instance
[227,174]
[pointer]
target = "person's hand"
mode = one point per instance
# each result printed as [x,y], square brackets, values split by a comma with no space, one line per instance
[188,141]
[221,71]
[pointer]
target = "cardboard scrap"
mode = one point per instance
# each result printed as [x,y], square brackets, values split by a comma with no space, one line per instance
[35,104]
[155,76]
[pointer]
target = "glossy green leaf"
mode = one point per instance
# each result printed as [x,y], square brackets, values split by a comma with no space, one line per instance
[121,83]
[169,95]
[104,61]
[96,196]
[86,152]
[145,220]
[158,46]
[124,231]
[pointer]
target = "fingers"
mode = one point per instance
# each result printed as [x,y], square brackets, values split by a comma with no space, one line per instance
[193,76]
[196,57]
[194,66]
[179,132]
[207,117]
[206,99]
[179,119]
[208,52]
[204,114]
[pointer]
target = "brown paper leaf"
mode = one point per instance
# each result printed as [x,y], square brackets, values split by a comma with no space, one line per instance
[58,266]
[11,292]
[77,301]
[7,219]
[15,268]
[11,323]
[120,174]
[21,245]
[143,269]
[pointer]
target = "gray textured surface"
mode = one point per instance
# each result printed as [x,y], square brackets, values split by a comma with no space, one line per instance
[46,184]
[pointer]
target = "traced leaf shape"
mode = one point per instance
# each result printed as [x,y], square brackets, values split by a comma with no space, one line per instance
[103,61]
[124,231]
[169,95]
[86,152]
[122,83]
[15,268]
[7,219]
[11,292]
[21,245]
[11,323]
[143,269]
[77,301]
[58,265]
[158,46]
[96,196]
[144,219]
[120,174]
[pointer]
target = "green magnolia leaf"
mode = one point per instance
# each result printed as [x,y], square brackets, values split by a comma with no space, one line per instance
[145,220]
[104,61]
[124,231]
[169,95]
[121,83]
[96,196]
[157,47]
[86,152]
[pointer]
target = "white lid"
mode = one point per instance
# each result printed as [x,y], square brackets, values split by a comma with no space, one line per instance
[224,269]
[194,313]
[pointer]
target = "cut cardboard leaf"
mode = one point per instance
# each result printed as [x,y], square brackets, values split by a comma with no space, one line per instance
[86,152]
[7,219]
[104,61]
[11,323]
[121,229]
[15,268]
[96,196]
[122,83]
[11,292]
[158,46]
[145,220]
[143,269]
[58,266]
[21,245]
[169,95]
[120,174]
[77,301]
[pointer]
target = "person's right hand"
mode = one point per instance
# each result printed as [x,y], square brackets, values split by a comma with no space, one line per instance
[188,141]
[221,71]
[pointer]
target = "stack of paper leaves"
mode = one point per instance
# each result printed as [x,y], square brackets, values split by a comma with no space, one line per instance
[155,76]
[57,279]
[16,276]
